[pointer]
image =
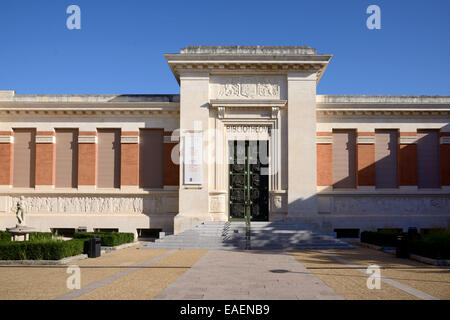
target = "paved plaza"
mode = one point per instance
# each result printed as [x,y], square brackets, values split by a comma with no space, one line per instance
[133,273]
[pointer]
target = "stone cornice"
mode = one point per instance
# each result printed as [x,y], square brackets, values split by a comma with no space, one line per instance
[247,63]
[410,112]
[11,96]
[88,109]
[381,100]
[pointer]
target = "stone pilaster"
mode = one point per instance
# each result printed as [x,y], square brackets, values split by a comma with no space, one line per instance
[194,116]
[302,166]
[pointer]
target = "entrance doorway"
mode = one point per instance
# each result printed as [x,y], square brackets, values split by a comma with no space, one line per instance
[248,170]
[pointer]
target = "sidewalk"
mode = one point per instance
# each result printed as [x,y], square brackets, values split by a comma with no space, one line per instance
[255,275]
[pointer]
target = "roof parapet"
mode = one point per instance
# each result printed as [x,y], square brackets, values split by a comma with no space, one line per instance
[249,50]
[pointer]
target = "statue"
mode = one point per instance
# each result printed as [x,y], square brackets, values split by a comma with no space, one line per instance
[20,211]
[20,229]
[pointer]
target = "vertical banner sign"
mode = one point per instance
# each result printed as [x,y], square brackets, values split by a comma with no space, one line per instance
[193,158]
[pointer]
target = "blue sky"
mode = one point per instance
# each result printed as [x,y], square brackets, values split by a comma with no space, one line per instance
[120,46]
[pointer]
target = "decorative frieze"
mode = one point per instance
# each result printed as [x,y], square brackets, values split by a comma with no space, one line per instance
[97,204]
[247,87]
[392,205]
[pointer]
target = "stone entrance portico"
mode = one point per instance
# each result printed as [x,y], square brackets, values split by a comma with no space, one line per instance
[227,90]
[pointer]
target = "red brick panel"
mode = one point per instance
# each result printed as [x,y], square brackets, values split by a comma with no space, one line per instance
[6,161]
[407,159]
[445,161]
[87,161]
[171,176]
[129,171]
[324,164]
[45,164]
[366,164]
[445,164]
[45,161]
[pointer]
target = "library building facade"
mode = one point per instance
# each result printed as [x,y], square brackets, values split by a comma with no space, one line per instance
[246,137]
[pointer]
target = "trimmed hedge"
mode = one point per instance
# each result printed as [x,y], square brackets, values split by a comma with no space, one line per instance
[41,250]
[108,239]
[381,238]
[5,236]
[433,245]
[37,236]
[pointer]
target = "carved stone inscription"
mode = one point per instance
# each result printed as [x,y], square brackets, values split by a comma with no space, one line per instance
[247,87]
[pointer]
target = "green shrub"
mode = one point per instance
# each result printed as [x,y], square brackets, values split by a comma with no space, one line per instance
[108,239]
[41,250]
[37,236]
[434,245]
[5,236]
[380,238]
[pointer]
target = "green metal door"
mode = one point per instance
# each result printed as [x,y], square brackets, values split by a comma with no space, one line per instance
[248,180]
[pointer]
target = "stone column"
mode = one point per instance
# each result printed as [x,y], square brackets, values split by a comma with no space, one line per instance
[45,158]
[87,159]
[302,189]
[129,162]
[6,158]
[194,116]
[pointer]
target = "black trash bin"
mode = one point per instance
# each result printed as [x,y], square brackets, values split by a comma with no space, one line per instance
[94,248]
[402,247]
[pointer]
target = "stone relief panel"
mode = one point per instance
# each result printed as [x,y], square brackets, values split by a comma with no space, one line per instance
[217,204]
[391,205]
[248,87]
[278,203]
[97,204]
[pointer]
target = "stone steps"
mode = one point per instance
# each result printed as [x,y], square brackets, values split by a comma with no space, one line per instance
[264,236]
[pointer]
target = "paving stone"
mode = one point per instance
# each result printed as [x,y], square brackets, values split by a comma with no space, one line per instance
[245,275]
